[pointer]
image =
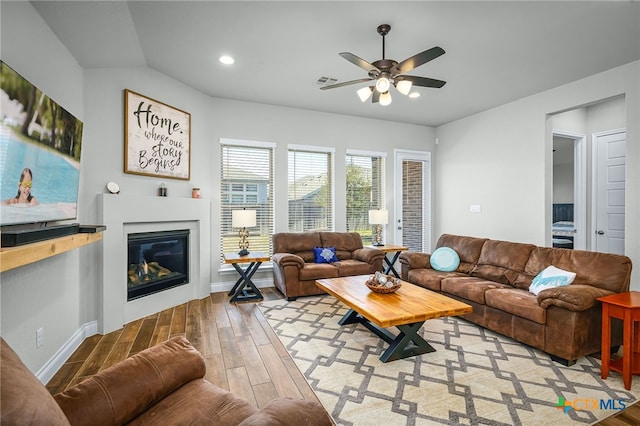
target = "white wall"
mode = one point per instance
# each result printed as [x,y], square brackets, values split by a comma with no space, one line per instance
[62,293]
[49,294]
[502,159]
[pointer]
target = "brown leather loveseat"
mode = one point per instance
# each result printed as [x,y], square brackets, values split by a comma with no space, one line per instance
[494,278]
[161,385]
[295,271]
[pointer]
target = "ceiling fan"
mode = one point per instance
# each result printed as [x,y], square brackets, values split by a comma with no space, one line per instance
[387,72]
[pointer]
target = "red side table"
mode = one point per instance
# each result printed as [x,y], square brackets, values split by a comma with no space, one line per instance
[624,306]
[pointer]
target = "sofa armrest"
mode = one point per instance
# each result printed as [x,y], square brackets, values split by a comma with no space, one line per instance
[123,391]
[288,259]
[574,297]
[290,412]
[415,260]
[368,255]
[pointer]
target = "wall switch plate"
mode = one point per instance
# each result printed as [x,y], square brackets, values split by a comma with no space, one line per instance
[39,338]
[475,208]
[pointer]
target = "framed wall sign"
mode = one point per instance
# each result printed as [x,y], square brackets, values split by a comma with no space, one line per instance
[157,138]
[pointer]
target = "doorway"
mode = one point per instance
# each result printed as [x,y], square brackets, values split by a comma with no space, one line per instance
[569,209]
[412,181]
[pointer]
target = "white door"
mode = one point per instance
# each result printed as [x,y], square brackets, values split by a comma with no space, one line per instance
[412,199]
[609,202]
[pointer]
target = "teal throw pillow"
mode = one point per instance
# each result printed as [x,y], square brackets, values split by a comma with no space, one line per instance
[325,254]
[444,259]
[551,277]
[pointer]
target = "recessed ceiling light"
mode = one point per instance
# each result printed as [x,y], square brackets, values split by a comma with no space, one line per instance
[414,95]
[226,59]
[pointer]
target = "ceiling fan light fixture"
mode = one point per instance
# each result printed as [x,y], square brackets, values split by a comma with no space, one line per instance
[383,84]
[364,93]
[404,86]
[385,99]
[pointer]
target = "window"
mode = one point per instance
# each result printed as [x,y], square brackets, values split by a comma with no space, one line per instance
[310,189]
[246,182]
[365,189]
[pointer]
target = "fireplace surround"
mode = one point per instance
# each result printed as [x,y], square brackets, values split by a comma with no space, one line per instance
[130,214]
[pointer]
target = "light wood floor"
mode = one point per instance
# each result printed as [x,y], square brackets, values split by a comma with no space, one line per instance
[241,351]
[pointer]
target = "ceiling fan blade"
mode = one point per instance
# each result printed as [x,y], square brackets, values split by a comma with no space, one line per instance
[421,81]
[360,62]
[416,60]
[375,96]
[345,83]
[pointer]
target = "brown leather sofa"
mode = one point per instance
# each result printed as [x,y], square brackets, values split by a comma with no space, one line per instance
[160,385]
[494,277]
[295,271]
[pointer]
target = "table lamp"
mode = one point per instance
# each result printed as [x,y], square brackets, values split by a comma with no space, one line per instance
[243,219]
[378,218]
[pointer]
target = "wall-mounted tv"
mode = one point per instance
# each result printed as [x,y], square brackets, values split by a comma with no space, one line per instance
[40,144]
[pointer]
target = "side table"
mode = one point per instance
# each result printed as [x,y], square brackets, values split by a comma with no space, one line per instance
[240,292]
[624,306]
[390,248]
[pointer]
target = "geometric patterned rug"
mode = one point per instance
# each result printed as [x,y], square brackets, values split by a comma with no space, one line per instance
[475,376]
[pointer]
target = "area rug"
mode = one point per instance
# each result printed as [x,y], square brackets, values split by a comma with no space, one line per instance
[475,376]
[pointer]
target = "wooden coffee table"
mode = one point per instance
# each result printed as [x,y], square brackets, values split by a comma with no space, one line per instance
[407,309]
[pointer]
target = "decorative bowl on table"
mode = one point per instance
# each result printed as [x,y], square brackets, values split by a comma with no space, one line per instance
[381,283]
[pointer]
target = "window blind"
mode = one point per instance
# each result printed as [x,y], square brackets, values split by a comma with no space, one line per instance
[365,190]
[310,192]
[247,182]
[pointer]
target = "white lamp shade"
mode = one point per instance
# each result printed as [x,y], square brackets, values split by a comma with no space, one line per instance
[385,99]
[382,84]
[404,86]
[243,218]
[378,217]
[364,93]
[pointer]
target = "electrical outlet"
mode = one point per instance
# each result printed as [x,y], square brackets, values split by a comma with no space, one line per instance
[39,338]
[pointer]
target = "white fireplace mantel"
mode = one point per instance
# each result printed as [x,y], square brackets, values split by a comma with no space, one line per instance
[124,214]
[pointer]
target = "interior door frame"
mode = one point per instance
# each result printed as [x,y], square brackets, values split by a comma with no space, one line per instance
[579,185]
[594,182]
[400,155]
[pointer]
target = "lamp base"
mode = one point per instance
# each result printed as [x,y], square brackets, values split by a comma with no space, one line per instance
[243,252]
[378,244]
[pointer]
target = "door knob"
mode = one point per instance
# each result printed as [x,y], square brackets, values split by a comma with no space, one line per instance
[600,232]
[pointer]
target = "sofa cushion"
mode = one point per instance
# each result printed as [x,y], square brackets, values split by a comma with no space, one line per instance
[470,288]
[603,270]
[287,242]
[502,261]
[349,267]
[551,277]
[517,302]
[325,254]
[444,259]
[344,242]
[23,399]
[468,249]
[430,278]
[317,271]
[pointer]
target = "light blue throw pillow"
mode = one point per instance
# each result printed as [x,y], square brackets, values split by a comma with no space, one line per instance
[444,259]
[551,277]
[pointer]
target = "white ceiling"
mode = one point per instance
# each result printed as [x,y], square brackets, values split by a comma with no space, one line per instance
[496,51]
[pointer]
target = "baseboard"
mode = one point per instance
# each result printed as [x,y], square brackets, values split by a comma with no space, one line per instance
[228,285]
[51,367]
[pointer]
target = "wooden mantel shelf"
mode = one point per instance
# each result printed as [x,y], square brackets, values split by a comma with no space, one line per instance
[14,257]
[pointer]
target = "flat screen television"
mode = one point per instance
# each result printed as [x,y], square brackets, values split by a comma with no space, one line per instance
[40,144]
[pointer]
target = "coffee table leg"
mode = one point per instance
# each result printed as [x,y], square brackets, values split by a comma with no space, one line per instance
[407,343]
[401,348]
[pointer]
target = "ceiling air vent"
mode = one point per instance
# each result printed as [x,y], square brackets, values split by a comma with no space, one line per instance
[326,81]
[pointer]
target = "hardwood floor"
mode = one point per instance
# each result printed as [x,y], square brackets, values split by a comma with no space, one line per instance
[242,353]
